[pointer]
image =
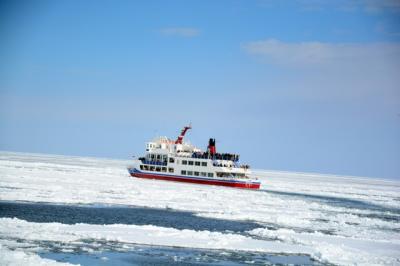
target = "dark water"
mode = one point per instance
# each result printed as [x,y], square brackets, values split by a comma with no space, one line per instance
[179,256]
[72,214]
[380,212]
[336,201]
[97,252]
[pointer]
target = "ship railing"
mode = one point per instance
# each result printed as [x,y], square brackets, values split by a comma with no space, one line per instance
[245,166]
[229,176]
[154,162]
[216,156]
[200,155]
[234,165]
[205,155]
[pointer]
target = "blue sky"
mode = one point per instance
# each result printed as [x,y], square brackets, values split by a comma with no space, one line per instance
[307,86]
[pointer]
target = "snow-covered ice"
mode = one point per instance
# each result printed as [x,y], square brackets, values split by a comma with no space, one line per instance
[335,219]
[15,257]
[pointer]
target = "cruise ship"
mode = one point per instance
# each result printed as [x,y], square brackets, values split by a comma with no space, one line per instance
[180,161]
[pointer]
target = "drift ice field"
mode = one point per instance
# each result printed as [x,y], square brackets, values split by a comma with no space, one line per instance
[334,220]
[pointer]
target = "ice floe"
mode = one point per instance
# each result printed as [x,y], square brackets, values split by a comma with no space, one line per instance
[342,220]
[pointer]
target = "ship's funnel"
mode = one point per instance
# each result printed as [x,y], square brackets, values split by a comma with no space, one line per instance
[211,146]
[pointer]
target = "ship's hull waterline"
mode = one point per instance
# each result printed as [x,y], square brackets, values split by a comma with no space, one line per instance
[195,180]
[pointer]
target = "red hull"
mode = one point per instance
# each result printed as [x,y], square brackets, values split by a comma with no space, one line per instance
[197,181]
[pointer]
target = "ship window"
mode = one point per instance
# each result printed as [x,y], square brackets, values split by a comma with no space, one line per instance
[203,163]
[203,174]
[158,157]
[184,162]
[190,172]
[171,170]
[190,162]
[158,169]
[164,169]
[196,173]
[152,156]
[171,160]
[141,167]
[183,172]
[197,163]
[152,168]
[146,167]
[210,175]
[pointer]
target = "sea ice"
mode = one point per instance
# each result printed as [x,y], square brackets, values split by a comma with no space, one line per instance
[342,220]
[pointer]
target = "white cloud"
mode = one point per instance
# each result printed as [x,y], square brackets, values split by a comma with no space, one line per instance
[381,5]
[369,6]
[344,71]
[180,32]
[318,53]
[388,29]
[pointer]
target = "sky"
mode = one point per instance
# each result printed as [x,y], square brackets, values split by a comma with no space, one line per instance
[307,86]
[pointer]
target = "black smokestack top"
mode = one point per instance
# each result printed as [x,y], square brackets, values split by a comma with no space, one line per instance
[211,142]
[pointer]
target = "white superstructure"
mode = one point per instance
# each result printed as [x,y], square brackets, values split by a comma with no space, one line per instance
[176,159]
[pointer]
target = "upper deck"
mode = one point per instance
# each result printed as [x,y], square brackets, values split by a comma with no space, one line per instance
[182,157]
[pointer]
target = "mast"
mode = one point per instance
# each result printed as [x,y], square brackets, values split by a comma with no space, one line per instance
[183,132]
